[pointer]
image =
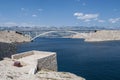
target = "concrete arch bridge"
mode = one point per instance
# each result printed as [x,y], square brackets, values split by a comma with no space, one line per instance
[53,34]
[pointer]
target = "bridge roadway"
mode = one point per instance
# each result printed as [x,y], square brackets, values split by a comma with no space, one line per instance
[56,30]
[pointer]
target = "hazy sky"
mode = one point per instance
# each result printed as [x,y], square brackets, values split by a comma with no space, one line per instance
[60,12]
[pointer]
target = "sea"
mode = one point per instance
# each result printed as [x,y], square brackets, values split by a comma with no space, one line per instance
[91,60]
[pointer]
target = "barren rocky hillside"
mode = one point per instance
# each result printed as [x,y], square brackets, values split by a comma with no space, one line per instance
[13,36]
[102,35]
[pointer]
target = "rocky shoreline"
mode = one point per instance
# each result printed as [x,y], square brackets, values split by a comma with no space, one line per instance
[101,35]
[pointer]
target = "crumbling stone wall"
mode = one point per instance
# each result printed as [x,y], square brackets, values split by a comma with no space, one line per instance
[7,49]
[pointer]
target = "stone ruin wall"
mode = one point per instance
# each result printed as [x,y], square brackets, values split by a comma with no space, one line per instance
[49,63]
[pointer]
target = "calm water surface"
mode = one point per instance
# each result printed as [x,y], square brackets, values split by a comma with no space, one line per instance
[93,61]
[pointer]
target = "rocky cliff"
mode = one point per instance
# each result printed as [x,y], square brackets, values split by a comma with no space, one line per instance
[7,49]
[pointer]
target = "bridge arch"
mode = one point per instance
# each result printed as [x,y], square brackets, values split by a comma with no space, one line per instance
[45,33]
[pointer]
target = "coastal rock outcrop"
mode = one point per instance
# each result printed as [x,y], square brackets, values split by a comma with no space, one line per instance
[8,40]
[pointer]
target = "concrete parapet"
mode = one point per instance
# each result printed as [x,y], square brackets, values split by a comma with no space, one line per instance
[21,55]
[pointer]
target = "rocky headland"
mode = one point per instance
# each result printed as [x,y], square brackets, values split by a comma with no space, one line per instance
[101,35]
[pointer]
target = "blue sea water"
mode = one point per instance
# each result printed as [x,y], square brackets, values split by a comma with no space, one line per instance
[91,60]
